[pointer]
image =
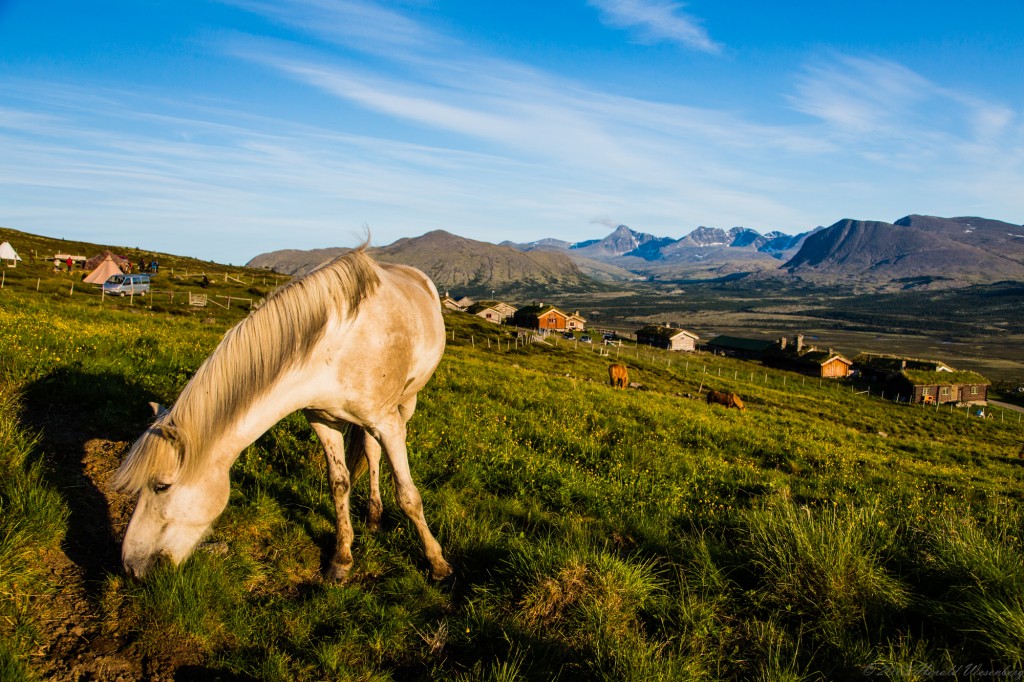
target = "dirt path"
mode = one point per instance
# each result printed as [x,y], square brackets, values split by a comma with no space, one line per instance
[1006,406]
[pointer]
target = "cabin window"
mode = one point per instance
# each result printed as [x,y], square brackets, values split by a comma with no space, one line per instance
[944,390]
[974,390]
[926,391]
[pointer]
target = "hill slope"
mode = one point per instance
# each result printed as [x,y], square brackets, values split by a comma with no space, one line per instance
[879,252]
[452,262]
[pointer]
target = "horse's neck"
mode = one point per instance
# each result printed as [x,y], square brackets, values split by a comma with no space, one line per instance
[288,394]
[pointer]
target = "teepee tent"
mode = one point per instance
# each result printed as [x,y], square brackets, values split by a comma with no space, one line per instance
[94,262]
[8,253]
[103,271]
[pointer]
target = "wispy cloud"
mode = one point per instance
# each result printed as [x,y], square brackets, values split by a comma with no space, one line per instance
[655,21]
[358,23]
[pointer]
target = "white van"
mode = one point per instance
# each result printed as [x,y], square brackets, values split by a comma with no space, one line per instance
[124,285]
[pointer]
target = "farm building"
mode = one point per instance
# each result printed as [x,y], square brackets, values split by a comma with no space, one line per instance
[486,312]
[797,357]
[503,308]
[574,322]
[929,388]
[540,316]
[667,337]
[737,347]
[826,364]
[464,302]
[449,303]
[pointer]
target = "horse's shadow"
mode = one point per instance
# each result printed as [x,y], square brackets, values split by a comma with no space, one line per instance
[80,417]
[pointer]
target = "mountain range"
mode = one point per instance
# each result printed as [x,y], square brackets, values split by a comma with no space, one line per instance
[914,251]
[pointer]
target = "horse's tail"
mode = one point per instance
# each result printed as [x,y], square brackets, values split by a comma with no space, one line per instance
[355,454]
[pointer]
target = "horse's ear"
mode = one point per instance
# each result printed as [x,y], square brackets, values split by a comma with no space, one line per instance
[168,431]
[158,409]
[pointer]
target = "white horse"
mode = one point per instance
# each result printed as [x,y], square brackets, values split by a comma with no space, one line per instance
[350,343]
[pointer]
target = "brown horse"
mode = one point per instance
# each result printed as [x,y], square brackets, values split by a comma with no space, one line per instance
[727,399]
[618,376]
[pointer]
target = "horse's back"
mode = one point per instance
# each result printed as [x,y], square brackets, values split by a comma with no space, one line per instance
[385,352]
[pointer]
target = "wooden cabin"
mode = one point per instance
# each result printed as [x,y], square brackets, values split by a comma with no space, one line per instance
[542,317]
[575,323]
[486,312]
[929,388]
[667,338]
[449,303]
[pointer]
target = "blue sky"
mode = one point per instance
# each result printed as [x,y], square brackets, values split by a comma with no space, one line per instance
[225,129]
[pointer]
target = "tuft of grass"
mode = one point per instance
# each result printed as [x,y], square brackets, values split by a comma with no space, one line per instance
[826,568]
[33,520]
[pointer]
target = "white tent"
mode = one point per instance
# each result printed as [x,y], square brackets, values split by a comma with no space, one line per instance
[8,253]
[103,271]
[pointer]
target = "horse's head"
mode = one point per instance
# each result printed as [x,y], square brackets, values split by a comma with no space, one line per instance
[173,511]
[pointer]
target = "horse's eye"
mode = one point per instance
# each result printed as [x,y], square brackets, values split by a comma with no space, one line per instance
[160,487]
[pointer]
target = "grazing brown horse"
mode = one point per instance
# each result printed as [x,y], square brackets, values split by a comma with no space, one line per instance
[618,375]
[727,399]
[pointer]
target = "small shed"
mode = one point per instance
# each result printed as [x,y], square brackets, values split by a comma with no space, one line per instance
[667,338]
[826,364]
[9,255]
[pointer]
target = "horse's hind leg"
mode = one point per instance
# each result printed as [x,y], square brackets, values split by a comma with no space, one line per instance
[376,506]
[391,434]
[362,455]
[337,470]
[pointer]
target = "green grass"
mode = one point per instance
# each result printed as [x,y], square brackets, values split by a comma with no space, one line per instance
[595,534]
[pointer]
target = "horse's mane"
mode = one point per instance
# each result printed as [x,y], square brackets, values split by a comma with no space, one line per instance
[275,337]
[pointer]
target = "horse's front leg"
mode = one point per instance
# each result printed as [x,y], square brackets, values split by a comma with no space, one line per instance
[337,471]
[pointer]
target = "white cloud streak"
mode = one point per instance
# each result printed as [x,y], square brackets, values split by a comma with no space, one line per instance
[655,21]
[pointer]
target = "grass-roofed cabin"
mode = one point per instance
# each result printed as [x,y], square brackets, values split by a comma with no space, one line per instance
[667,338]
[929,388]
[738,347]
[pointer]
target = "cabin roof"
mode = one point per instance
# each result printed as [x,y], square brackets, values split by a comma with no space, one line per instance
[821,357]
[920,377]
[739,343]
[664,332]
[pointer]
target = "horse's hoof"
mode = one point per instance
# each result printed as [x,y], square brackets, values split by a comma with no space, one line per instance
[338,573]
[440,571]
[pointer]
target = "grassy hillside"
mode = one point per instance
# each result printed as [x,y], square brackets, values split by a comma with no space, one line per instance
[595,534]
